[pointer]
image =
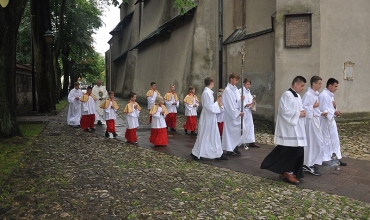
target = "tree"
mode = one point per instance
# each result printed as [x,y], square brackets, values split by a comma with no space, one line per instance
[10,17]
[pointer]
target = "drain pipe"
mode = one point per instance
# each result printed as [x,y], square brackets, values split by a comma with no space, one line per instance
[220,37]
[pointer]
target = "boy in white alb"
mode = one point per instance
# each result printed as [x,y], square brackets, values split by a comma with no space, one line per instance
[328,123]
[191,106]
[132,112]
[110,108]
[208,143]
[249,137]
[172,103]
[88,110]
[220,116]
[151,95]
[313,153]
[74,110]
[158,131]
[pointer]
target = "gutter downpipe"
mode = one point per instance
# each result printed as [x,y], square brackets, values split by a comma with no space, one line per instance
[220,35]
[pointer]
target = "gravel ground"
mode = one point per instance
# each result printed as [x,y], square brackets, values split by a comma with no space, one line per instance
[70,174]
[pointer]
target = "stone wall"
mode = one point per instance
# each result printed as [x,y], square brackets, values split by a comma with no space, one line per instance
[24,89]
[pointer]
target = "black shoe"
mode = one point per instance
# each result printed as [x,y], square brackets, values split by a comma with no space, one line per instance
[230,153]
[342,163]
[223,157]
[115,134]
[99,122]
[253,145]
[186,132]
[107,134]
[193,133]
[92,129]
[236,151]
[172,129]
[87,130]
[194,157]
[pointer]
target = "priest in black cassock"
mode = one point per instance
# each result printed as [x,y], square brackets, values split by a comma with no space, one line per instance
[286,158]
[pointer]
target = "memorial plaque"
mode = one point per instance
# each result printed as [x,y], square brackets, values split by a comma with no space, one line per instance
[298,30]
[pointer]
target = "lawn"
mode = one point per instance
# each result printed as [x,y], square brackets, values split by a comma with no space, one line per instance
[13,149]
[62,103]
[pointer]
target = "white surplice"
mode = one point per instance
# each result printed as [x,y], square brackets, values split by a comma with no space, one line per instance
[169,105]
[248,118]
[74,110]
[95,91]
[88,108]
[158,119]
[190,110]
[151,99]
[220,116]
[231,136]
[109,113]
[208,143]
[313,153]
[132,118]
[290,127]
[329,126]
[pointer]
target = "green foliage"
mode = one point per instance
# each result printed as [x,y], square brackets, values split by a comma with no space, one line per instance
[12,149]
[91,67]
[183,5]
[23,49]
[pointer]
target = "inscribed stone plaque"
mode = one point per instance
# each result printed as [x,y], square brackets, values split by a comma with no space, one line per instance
[298,30]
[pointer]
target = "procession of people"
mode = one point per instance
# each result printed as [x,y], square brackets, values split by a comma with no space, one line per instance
[306,134]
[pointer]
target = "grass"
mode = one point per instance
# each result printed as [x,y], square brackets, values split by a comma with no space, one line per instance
[12,149]
[62,103]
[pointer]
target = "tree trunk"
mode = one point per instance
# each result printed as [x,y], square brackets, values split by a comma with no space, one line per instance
[40,24]
[10,18]
[60,42]
[66,71]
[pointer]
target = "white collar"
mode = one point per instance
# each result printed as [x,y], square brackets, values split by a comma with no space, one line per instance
[313,92]
[330,93]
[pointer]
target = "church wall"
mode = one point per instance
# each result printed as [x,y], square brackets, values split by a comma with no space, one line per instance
[259,58]
[151,17]
[290,62]
[126,8]
[258,67]
[165,61]
[205,48]
[345,36]
[258,14]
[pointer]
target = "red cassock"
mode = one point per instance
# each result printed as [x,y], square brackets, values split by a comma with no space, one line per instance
[111,126]
[191,123]
[87,121]
[220,127]
[158,136]
[130,135]
[171,120]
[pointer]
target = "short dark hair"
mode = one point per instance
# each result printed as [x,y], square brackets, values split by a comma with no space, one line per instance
[76,83]
[298,79]
[234,75]
[247,80]
[315,79]
[89,87]
[190,88]
[131,95]
[331,81]
[152,83]
[207,81]
[110,92]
